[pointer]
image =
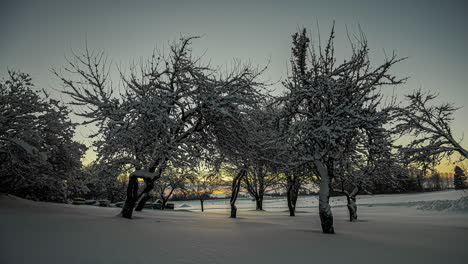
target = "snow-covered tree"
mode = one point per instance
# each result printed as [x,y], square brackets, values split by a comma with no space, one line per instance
[264,151]
[37,150]
[328,103]
[231,136]
[459,179]
[367,159]
[161,112]
[98,181]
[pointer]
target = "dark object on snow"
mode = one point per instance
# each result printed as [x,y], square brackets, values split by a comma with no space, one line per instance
[157,204]
[78,201]
[459,179]
[104,203]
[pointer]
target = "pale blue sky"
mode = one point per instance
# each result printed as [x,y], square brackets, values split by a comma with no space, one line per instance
[36,35]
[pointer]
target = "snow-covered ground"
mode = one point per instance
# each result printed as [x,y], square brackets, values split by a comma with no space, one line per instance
[310,203]
[389,231]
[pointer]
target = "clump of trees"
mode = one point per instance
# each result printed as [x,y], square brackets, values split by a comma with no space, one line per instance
[174,123]
[38,154]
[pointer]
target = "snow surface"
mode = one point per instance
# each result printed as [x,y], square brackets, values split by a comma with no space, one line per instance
[310,203]
[36,232]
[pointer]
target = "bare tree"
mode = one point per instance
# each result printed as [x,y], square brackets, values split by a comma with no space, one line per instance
[265,155]
[430,126]
[257,181]
[328,103]
[171,180]
[293,185]
[201,184]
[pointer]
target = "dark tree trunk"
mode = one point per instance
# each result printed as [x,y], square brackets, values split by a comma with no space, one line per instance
[164,202]
[233,211]
[142,202]
[352,208]
[259,204]
[292,193]
[166,199]
[145,196]
[261,193]
[236,182]
[201,204]
[132,196]
[291,207]
[132,190]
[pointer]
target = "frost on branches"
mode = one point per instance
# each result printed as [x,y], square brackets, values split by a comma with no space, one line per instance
[160,112]
[37,151]
[328,103]
[429,125]
[367,159]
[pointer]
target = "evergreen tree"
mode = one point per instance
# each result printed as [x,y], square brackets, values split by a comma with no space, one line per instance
[459,179]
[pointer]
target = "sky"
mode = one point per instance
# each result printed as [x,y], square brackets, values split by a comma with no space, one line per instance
[35,36]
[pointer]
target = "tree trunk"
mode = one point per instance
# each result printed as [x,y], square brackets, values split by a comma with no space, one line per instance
[236,182]
[326,216]
[291,207]
[132,196]
[145,196]
[164,202]
[132,190]
[233,211]
[201,204]
[261,193]
[292,193]
[289,193]
[352,208]
[294,199]
[259,203]
[141,204]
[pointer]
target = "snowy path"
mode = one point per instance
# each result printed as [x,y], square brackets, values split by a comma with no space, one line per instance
[55,233]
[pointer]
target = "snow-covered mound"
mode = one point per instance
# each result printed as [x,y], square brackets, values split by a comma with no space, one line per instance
[184,205]
[460,205]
